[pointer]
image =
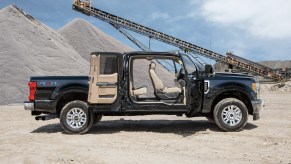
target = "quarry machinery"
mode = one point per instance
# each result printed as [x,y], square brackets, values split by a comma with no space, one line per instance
[230,59]
[168,66]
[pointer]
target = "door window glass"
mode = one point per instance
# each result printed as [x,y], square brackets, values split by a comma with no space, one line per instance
[178,67]
[190,66]
[108,64]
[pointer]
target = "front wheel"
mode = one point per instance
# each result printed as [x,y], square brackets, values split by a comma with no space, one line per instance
[76,118]
[230,114]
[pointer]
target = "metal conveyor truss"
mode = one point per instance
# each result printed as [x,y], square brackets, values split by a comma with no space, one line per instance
[238,62]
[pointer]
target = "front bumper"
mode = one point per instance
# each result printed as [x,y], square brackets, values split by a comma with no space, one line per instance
[28,105]
[257,107]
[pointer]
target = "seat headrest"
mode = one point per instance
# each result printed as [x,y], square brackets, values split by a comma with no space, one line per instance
[153,65]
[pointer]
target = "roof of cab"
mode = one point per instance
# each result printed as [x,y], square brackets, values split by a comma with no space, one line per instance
[106,53]
[136,53]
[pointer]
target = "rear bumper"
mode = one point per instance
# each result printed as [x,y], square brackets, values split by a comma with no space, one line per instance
[28,105]
[40,106]
[257,107]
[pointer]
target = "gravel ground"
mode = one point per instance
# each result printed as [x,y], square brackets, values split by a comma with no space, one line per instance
[154,139]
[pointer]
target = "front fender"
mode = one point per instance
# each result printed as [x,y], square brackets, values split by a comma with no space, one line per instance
[217,90]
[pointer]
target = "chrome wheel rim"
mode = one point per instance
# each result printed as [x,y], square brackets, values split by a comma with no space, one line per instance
[231,115]
[76,118]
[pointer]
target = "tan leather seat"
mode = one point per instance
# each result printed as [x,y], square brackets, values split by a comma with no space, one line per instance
[172,90]
[135,91]
[159,85]
[140,91]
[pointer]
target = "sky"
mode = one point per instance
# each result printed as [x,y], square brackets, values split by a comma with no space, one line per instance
[257,30]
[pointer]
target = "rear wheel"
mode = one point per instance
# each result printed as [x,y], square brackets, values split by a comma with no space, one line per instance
[230,114]
[76,118]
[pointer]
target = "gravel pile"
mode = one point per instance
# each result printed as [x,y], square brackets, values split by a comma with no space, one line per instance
[87,38]
[30,48]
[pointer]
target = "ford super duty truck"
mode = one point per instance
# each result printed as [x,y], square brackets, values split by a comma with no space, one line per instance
[109,90]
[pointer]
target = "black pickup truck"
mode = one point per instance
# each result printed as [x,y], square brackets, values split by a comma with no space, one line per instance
[110,90]
[49,94]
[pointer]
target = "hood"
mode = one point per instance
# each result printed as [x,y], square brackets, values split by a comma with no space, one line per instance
[233,76]
[224,74]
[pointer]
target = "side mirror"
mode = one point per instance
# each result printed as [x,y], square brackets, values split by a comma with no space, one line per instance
[209,70]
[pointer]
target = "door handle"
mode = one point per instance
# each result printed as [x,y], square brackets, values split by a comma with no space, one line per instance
[105,84]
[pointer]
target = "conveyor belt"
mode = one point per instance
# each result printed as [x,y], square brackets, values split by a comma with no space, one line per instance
[244,64]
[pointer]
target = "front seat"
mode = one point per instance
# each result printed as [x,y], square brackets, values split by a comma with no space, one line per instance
[161,91]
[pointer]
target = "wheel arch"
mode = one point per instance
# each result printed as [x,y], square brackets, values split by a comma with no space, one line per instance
[67,87]
[233,94]
[68,95]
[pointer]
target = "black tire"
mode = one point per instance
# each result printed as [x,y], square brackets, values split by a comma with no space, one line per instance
[82,108]
[97,118]
[230,121]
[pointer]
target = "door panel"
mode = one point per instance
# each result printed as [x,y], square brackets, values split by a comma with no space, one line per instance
[103,79]
[108,78]
[107,91]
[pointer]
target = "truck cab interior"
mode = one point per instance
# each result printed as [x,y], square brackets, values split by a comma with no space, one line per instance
[150,82]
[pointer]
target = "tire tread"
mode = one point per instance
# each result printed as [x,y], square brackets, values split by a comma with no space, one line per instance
[63,115]
[225,101]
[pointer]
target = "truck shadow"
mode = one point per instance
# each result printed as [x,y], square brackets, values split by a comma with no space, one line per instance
[179,127]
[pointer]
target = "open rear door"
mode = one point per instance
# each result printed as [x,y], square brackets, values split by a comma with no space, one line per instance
[103,79]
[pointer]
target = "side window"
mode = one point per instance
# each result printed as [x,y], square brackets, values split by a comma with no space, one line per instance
[177,66]
[190,66]
[171,64]
[168,63]
[108,64]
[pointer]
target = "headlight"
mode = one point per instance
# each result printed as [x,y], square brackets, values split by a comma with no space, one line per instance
[256,87]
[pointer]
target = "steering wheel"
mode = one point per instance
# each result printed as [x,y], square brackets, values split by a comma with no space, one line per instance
[181,74]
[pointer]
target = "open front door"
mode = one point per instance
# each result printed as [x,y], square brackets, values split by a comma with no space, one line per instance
[194,88]
[103,79]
